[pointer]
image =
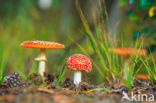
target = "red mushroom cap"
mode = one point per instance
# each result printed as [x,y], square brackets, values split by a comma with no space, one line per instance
[79,62]
[42,44]
[143,76]
[128,51]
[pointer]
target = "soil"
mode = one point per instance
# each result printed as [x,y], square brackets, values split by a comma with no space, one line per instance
[39,90]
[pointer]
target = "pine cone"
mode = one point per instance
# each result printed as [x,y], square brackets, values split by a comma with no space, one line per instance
[68,84]
[36,79]
[49,78]
[13,80]
[83,86]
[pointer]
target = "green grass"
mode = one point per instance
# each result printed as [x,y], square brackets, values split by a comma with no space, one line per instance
[3,64]
[93,41]
[150,68]
[100,47]
[61,74]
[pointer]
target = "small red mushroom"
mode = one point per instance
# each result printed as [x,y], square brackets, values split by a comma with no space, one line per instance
[42,45]
[78,63]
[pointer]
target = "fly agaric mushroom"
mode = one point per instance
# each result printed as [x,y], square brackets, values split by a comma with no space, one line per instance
[78,63]
[143,76]
[42,45]
[126,52]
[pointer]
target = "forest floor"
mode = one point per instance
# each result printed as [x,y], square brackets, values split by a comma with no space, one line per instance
[32,92]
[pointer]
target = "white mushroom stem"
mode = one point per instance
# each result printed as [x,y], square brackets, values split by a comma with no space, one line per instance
[77,78]
[42,59]
[42,67]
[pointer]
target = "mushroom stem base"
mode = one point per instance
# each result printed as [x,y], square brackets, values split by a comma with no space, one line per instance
[42,67]
[77,78]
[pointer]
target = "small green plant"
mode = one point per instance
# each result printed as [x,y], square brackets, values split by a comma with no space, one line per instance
[150,68]
[3,65]
[2,71]
[99,45]
[130,71]
[61,74]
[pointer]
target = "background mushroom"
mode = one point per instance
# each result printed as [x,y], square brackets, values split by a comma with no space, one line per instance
[42,45]
[143,76]
[78,63]
[127,53]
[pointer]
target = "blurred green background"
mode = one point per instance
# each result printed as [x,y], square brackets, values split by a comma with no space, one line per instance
[59,21]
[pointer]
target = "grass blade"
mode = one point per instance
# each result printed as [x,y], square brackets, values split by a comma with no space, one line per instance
[61,74]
